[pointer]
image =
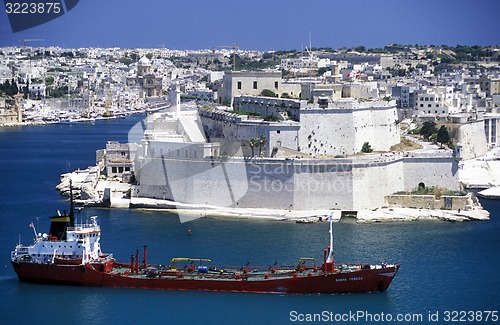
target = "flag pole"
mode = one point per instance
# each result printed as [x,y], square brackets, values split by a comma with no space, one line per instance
[34,230]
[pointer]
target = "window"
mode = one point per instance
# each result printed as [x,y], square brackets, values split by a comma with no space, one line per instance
[278,131]
[255,85]
[113,170]
[239,84]
[421,105]
[276,84]
[428,105]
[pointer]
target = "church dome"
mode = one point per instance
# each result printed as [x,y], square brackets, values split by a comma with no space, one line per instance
[144,61]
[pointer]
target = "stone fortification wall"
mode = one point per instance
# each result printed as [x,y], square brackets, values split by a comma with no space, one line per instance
[321,134]
[430,202]
[378,127]
[432,169]
[299,184]
[473,139]
[373,177]
[228,128]
[342,130]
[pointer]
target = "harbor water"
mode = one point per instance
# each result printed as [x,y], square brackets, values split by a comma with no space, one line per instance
[445,267]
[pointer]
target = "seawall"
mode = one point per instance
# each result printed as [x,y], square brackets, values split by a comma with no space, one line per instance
[293,184]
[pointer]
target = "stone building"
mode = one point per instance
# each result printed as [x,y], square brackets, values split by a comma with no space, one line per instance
[10,111]
[119,159]
[237,83]
[149,84]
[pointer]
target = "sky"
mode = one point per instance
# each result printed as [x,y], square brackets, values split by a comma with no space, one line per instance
[265,24]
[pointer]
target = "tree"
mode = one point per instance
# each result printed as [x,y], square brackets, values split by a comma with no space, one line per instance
[26,89]
[262,140]
[49,81]
[428,129]
[252,143]
[443,136]
[6,88]
[14,87]
[367,148]
[322,70]
[268,93]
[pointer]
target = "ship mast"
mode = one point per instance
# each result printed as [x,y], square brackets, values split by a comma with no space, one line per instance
[72,205]
[330,253]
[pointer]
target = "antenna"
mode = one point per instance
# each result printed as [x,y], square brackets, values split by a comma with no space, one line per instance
[309,51]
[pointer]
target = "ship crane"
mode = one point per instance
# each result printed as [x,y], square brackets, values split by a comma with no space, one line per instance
[234,47]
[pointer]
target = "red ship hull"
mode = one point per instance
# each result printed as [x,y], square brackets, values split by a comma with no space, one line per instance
[363,280]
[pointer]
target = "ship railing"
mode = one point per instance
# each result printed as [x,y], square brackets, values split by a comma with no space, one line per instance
[349,267]
[20,250]
[84,227]
[252,269]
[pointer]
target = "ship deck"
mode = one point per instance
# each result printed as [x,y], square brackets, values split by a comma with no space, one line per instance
[226,273]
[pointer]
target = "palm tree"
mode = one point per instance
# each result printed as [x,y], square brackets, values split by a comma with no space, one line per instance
[262,140]
[252,143]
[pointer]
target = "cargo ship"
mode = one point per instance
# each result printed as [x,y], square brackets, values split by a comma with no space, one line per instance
[70,254]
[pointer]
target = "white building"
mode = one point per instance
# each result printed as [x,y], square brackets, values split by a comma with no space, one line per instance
[437,101]
[492,128]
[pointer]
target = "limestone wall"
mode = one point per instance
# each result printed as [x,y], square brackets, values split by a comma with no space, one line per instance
[430,202]
[413,201]
[430,169]
[325,132]
[374,178]
[473,139]
[343,130]
[229,128]
[298,184]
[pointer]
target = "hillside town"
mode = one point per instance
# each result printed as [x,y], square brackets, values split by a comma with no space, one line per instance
[310,130]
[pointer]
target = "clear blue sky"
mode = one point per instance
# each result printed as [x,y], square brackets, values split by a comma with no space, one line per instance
[266,24]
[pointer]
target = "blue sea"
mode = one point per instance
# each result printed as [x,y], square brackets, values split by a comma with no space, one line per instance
[446,267]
